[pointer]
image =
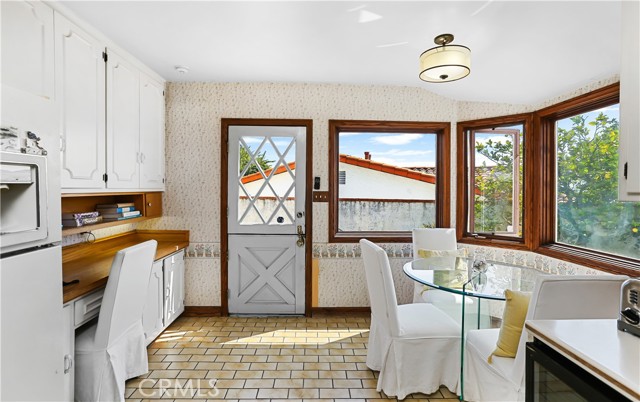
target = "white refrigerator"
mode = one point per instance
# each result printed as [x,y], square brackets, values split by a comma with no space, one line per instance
[31,334]
[31,316]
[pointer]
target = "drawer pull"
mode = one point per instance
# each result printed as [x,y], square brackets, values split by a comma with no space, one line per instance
[93,305]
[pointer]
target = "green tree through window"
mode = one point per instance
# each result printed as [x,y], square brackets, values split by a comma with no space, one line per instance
[588,212]
[245,159]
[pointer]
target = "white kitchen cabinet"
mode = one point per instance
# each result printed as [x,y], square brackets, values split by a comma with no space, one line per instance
[173,287]
[69,343]
[153,315]
[27,47]
[151,133]
[28,75]
[80,78]
[165,295]
[135,127]
[123,123]
[629,163]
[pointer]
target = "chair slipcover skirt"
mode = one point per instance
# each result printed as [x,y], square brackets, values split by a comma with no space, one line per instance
[101,374]
[484,381]
[408,364]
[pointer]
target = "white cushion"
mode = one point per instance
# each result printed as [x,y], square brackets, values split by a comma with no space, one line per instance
[440,296]
[483,343]
[422,320]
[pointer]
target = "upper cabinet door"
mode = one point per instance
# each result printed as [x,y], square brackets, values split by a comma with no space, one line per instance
[629,163]
[151,133]
[80,75]
[123,123]
[27,47]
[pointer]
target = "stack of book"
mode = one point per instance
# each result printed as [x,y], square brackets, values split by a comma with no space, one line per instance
[77,219]
[117,212]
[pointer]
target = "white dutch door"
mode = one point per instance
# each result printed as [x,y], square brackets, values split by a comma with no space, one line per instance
[266,219]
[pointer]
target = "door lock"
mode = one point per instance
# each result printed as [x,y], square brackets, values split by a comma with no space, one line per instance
[300,241]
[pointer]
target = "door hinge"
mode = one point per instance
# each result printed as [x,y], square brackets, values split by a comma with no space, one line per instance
[105,57]
[105,177]
[228,294]
[626,165]
[163,180]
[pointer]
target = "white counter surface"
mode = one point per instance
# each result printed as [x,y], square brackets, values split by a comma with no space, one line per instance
[598,347]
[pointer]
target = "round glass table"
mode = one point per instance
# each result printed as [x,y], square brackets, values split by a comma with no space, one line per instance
[481,279]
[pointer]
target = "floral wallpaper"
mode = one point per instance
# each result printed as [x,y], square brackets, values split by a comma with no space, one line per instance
[191,199]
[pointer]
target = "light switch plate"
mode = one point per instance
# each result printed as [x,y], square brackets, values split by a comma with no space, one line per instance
[320,196]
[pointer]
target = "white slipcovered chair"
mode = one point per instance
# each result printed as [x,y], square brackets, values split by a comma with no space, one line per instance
[445,239]
[554,297]
[431,239]
[113,350]
[416,347]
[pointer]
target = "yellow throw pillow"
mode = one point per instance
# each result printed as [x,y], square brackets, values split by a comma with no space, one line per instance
[515,313]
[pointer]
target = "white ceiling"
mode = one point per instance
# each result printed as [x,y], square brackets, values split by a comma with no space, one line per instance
[522,52]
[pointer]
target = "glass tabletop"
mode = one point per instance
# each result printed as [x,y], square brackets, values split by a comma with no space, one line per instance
[483,278]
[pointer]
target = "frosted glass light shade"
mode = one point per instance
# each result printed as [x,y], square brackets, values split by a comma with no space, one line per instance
[445,63]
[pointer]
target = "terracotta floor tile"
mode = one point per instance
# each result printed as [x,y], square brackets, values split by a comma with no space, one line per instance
[182,365]
[247,374]
[304,393]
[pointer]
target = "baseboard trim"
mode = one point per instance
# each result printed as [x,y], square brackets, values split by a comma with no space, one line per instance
[339,311]
[216,311]
[202,311]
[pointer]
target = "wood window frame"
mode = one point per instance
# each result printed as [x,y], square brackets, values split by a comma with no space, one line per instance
[545,121]
[462,206]
[443,164]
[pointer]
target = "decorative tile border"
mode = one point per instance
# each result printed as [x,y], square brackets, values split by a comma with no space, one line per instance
[203,250]
[405,251]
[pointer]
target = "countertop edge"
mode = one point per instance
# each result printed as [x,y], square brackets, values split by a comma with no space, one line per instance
[533,326]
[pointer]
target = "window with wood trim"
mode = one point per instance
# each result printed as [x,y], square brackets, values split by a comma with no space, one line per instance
[582,220]
[493,164]
[386,178]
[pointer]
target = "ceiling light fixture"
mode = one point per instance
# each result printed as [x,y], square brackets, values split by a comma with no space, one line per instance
[182,69]
[445,62]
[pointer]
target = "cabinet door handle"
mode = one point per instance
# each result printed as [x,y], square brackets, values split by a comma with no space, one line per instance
[68,363]
[142,157]
[63,143]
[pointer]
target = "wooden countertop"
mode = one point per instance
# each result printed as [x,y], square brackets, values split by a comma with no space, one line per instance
[598,347]
[90,263]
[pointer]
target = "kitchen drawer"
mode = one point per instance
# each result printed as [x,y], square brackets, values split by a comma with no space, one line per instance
[87,307]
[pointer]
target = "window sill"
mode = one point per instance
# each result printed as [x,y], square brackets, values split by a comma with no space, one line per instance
[515,244]
[601,262]
[376,237]
[591,259]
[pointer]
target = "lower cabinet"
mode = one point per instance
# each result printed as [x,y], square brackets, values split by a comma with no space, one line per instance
[153,315]
[165,295]
[173,287]
[69,345]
